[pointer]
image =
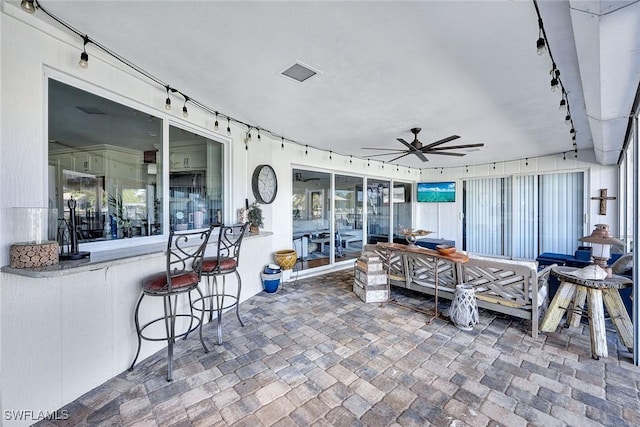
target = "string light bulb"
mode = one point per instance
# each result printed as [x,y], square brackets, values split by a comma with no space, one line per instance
[564,156]
[350,160]
[330,155]
[282,143]
[228,126]
[259,139]
[567,119]
[306,150]
[84,56]
[167,103]
[563,103]
[215,124]
[28,6]
[185,112]
[541,46]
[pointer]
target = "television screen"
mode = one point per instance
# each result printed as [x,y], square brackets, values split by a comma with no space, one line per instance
[437,192]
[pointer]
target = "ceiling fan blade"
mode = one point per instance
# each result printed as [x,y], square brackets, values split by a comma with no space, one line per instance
[446,153]
[387,154]
[383,149]
[406,144]
[442,141]
[420,155]
[455,147]
[399,157]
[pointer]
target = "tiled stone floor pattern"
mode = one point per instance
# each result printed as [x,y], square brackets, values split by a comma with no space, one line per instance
[314,354]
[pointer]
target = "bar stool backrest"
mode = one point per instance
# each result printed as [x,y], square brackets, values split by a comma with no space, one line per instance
[185,251]
[229,242]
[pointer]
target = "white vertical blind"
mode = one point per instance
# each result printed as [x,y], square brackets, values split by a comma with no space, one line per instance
[535,214]
[485,216]
[561,214]
[525,217]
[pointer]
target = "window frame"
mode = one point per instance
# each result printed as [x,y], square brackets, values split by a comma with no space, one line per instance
[166,120]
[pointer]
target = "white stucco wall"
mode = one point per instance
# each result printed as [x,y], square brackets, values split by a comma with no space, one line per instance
[47,334]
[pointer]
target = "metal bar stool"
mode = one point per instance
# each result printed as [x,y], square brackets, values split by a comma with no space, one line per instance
[225,262]
[185,251]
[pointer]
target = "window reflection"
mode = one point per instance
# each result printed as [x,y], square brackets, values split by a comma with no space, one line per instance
[195,180]
[98,153]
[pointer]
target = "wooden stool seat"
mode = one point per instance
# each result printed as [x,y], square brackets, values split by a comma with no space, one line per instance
[571,297]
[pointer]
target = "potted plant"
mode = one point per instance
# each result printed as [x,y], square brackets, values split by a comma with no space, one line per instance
[120,214]
[254,216]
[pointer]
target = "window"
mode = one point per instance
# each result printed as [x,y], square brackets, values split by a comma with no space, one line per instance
[195,180]
[108,157]
[523,216]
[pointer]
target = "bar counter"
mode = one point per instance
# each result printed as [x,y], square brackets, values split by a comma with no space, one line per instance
[68,328]
[106,258]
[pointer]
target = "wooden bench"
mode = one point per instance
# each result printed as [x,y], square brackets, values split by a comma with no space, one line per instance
[515,288]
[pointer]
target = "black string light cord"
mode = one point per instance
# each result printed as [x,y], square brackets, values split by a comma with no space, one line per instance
[555,74]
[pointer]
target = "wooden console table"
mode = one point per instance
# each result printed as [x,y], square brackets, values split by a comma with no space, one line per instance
[571,296]
[389,248]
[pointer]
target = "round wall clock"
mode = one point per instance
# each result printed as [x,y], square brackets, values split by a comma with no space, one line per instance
[264,184]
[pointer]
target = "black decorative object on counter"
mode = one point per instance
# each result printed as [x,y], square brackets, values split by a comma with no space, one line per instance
[68,235]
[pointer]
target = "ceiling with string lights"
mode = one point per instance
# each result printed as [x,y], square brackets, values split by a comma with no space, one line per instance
[465,68]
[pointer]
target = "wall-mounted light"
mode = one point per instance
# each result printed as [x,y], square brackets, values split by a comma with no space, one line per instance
[282,143]
[84,56]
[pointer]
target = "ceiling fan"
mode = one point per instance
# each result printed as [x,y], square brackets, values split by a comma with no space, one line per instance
[299,178]
[416,147]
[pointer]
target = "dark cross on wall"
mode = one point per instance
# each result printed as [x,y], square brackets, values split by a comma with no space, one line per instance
[603,200]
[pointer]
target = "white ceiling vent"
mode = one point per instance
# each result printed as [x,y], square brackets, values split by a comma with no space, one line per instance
[299,72]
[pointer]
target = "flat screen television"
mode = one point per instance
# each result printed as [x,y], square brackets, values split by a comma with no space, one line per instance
[437,192]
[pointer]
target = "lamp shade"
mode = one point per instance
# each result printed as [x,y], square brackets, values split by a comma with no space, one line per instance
[601,241]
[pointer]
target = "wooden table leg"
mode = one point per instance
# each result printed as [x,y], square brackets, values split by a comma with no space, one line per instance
[596,324]
[558,307]
[577,308]
[619,316]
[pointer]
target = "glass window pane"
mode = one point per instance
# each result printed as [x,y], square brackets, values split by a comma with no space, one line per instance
[348,217]
[378,211]
[402,210]
[106,156]
[195,180]
[310,204]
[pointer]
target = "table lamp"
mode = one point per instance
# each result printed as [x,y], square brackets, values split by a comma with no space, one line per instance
[601,241]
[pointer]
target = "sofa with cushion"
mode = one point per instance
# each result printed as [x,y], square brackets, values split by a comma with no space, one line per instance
[506,286]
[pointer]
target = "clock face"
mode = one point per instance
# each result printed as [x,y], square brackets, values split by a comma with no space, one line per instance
[264,184]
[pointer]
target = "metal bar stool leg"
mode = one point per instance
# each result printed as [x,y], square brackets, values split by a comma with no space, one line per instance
[170,324]
[138,332]
[238,298]
[206,350]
